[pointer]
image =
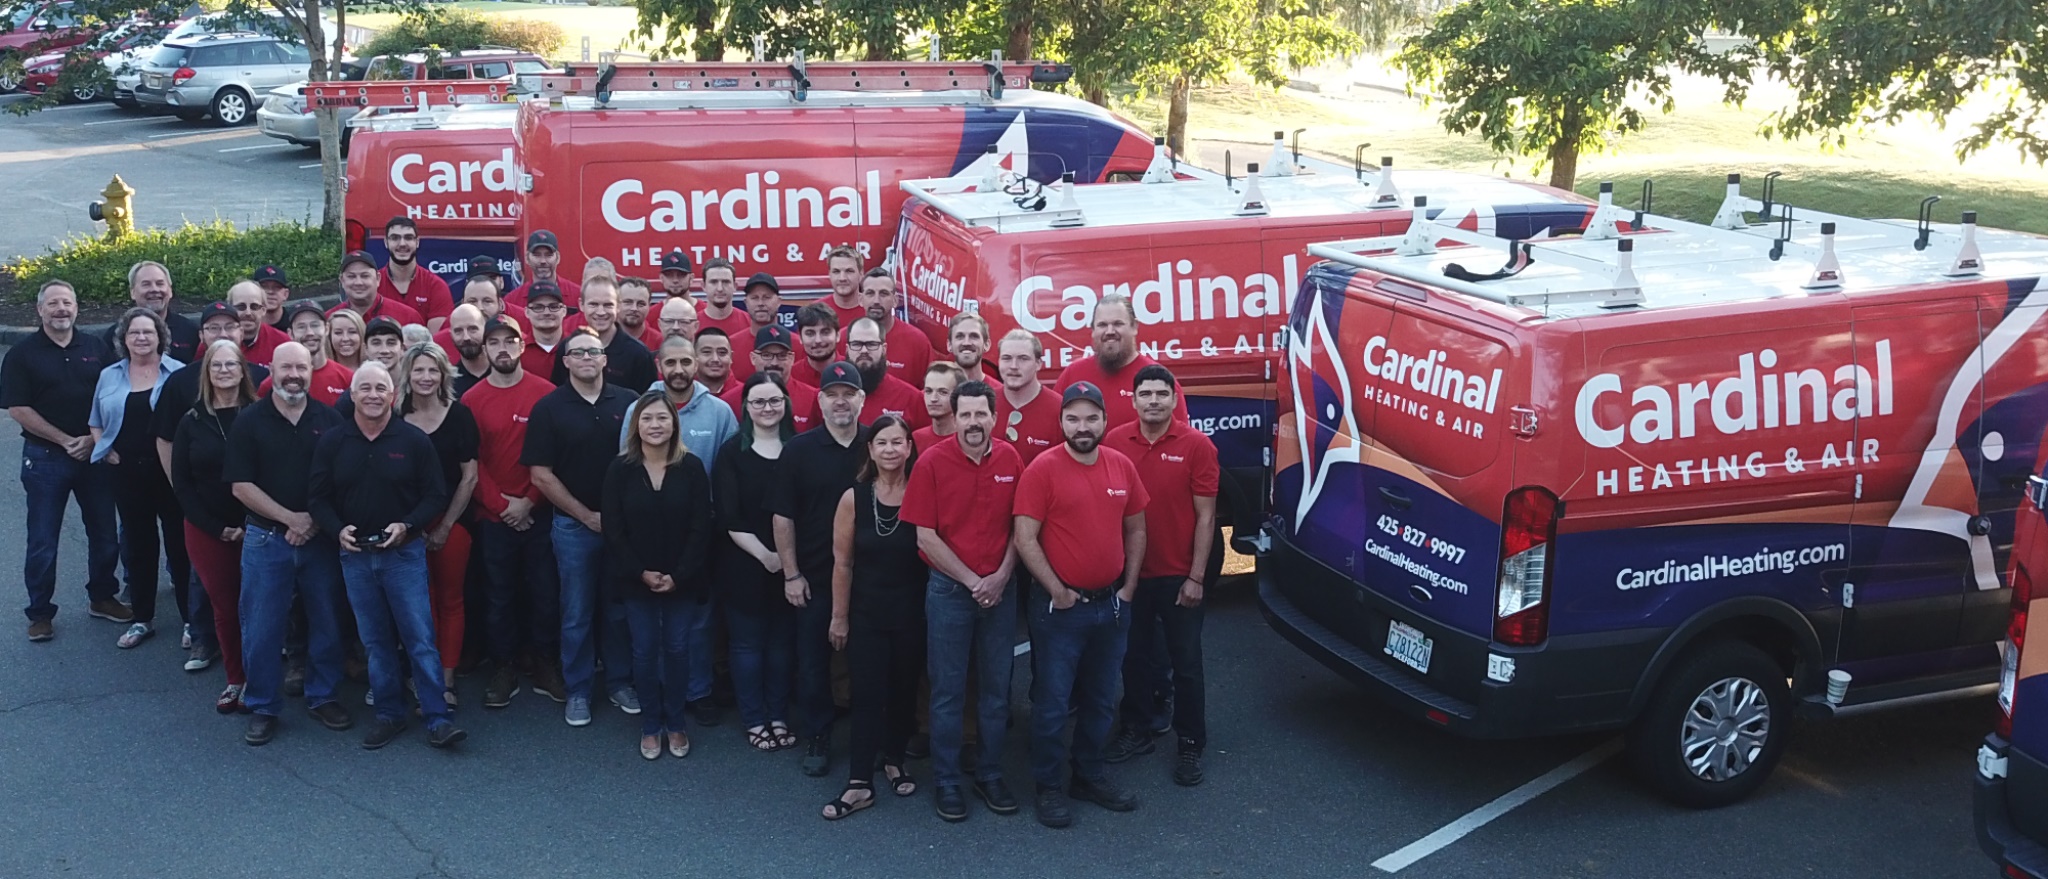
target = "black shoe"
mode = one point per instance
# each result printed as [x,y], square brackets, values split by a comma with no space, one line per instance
[295,680]
[1102,792]
[445,735]
[919,747]
[818,756]
[382,732]
[332,716]
[1187,771]
[951,805]
[1130,743]
[262,728]
[504,684]
[704,712]
[997,795]
[1052,808]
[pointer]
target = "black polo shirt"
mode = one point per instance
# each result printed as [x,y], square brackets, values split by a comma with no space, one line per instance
[577,438]
[183,344]
[371,483]
[627,364]
[180,391]
[56,381]
[276,455]
[815,471]
[464,381]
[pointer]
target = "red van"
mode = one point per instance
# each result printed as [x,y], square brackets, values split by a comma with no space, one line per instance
[453,171]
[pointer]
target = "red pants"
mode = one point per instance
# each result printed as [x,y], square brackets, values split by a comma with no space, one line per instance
[220,571]
[446,568]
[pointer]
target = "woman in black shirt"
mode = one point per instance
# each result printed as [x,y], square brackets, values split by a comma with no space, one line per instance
[658,525]
[123,406]
[213,518]
[761,623]
[878,582]
[430,405]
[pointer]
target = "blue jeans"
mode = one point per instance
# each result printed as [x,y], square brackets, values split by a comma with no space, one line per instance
[662,628]
[703,652]
[520,563]
[1078,657]
[763,657]
[273,571]
[961,634]
[49,478]
[579,556]
[814,658]
[1157,616]
[395,612]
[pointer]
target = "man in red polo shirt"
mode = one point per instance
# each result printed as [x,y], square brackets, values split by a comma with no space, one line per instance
[635,301]
[402,281]
[259,339]
[886,394]
[718,310]
[309,328]
[843,270]
[1116,360]
[1026,413]
[817,330]
[359,292]
[941,381]
[543,256]
[960,496]
[910,351]
[546,314]
[1177,464]
[764,307]
[1080,531]
[967,344]
[676,272]
[772,354]
[714,360]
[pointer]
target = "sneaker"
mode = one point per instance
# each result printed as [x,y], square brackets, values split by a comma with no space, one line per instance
[201,658]
[1052,808]
[578,712]
[1187,770]
[704,712]
[627,699]
[382,732]
[369,698]
[295,680]
[996,795]
[136,634]
[230,700]
[109,609]
[41,630]
[952,807]
[504,684]
[818,756]
[547,681]
[445,735]
[262,728]
[332,716]
[185,640]
[1129,743]
[1102,792]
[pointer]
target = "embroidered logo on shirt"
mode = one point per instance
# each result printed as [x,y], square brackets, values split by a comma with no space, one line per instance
[1006,479]
[1117,492]
[1173,459]
[519,419]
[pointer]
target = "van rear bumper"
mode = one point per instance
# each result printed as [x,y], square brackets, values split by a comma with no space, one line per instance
[1569,684]
[1997,834]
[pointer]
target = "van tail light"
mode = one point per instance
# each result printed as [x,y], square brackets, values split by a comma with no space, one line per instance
[183,74]
[1521,609]
[2015,641]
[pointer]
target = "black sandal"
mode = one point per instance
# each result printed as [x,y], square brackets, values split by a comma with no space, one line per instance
[783,737]
[900,780]
[762,739]
[843,807]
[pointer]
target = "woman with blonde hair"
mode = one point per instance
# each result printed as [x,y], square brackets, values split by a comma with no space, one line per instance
[430,405]
[345,330]
[213,517]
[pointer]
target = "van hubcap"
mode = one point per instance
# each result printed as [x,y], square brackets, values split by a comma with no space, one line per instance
[1725,729]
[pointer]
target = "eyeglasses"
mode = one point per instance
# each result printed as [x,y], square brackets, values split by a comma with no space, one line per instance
[864,346]
[225,366]
[246,307]
[552,308]
[766,403]
[584,353]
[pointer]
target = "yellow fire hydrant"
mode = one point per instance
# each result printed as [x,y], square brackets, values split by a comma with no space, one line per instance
[117,211]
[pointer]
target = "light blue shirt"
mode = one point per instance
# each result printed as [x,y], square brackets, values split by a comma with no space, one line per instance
[110,402]
[704,424]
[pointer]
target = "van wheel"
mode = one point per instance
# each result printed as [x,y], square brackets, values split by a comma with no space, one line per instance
[1715,728]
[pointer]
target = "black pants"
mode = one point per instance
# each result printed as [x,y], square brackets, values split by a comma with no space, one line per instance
[521,564]
[814,658]
[152,528]
[1156,617]
[884,666]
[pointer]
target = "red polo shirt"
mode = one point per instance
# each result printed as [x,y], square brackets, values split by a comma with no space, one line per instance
[427,294]
[927,438]
[803,404]
[804,372]
[737,326]
[1178,468]
[265,345]
[540,361]
[385,306]
[501,418]
[1036,430]
[572,293]
[846,315]
[1081,510]
[1117,395]
[910,352]
[968,504]
[329,382]
[895,397]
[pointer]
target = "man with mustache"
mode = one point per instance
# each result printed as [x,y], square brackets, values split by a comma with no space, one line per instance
[464,342]
[910,350]
[714,361]
[967,344]
[1116,360]
[764,307]
[246,303]
[886,394]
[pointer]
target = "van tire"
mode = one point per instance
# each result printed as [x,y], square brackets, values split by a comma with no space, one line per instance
[1740,684]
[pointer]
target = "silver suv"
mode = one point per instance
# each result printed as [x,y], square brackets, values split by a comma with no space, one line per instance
[218,74]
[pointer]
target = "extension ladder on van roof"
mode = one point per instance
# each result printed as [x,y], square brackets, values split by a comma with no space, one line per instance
[1638,259]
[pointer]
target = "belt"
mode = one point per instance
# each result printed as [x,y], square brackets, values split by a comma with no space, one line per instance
[1087,596]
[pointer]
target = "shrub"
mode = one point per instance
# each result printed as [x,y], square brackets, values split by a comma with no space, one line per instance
[451,29]
[204,259]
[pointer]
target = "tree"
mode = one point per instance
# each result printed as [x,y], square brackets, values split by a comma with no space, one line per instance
[1555,78]
[1182,43]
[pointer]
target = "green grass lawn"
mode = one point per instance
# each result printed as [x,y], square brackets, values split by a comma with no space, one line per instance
[608,27]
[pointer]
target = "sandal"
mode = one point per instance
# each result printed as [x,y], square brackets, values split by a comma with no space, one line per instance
[762,739]
[783,737]
[900,780]
[843,807]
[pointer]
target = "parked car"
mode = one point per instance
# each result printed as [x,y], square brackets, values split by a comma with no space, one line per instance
[285,114]
[33,29]
[2012,764]
[124,66]
[218,74]
[41,73]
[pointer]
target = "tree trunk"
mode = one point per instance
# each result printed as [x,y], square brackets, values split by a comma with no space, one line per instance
[1177,117]
[314,33]
[1564,153]
[1095,94]
[1019,13]
[710,43]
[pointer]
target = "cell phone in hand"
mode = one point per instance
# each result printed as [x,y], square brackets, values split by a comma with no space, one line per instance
[372,540]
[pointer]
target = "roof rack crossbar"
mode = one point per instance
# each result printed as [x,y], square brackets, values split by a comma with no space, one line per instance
[800,77]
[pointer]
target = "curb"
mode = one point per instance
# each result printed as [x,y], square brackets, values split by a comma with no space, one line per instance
[10,336]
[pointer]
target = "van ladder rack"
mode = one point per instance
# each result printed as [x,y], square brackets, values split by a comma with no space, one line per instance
[404,94]
[798,77]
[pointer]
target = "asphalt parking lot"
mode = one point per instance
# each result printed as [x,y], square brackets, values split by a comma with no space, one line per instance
[113,763]
[180,170]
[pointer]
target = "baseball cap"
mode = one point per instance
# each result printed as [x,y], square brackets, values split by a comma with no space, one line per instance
[217,309]
[773,334]
[358,256]
[542,238]
[676,261]
[383,326]
[301,307]
[484,264]
[503,322]
[763,278]
[1080,391]
[539,289]
[271,275]
[840,373]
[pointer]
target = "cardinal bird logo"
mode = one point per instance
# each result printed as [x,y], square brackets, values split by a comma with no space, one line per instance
[1322,405]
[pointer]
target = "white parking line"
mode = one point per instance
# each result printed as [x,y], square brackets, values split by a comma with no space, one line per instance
[260,146]
[171,134]
[314,165]
[1480,817]
[131,119]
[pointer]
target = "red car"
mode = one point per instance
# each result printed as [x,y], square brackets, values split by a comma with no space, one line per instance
[36,28]
[40,74]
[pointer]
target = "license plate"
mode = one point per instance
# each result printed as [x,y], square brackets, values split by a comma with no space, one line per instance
[1409,646]
[153,81]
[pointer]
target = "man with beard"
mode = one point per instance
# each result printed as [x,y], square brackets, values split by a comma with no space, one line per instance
[181,390]
[547,315]
[941,379]
[328,379]
[484,267]
[714,360]
[1028,414]
[543,256]
[1080,530]
[967,343]
[285,553]
[627,364]
[47,384]
[678,318]
[675,276]
[634,302]
[886,394]
[910,351]
[960,497]
[149,286]
[376,486]
[276,292]
[482,295]
[764,309]
[718,310]
[772,347]
[843,270]
[464,342]
[518,556]
[817,330]
[1116,360]
[402,281]
[359,292]
[818,467]
[259,340]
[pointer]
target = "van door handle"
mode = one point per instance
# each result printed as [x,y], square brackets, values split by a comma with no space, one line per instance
[1395,499]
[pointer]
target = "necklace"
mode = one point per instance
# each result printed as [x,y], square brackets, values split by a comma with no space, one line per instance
[884,525]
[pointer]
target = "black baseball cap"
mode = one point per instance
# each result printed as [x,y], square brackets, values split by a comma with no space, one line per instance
[773,334]
[358,256]
[217,309]
[271,275]
[763,278]
[676,261]
[1080,391]
[484,265]
[539,289]
[301,307]
[840,373]
[383,326]
[542,238]
[503,322]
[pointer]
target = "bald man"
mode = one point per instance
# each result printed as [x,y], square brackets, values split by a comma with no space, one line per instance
[464,341]
[678,318]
